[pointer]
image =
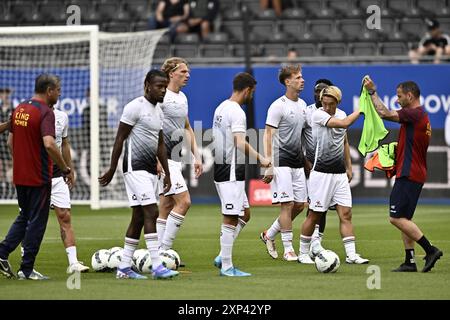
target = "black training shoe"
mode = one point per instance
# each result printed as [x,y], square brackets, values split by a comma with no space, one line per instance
[430,259]
[6,270]
[406,268]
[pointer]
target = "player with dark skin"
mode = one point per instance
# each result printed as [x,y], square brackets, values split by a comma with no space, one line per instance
[142,216]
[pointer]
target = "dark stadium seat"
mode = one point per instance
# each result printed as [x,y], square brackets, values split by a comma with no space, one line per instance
[140,25]
[363,49]
[211,50]
[115,26]
[162,51]
[385,11]
[278,37]
[187,38]
[232,14]
[216,37]
[393,48]
[434,7]
[333,49]
[351,28]
[7,18]
[52,12]
[268,14]
[22,10]
[321,27]
[234,29]
[237,50]
[185,50]
[404,7]
[112,12]
[274,50]
[253,6]
[295,29]
[312,7]
[262,29]
[344,8]
[304,49]
[415,28]
[137,9]
[293,13]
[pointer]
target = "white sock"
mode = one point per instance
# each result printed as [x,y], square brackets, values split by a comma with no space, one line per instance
[241,224]
[173,224]
[226,245]
[72,254]
[274,229]
[151,240]
[160,229]
[315,234]
[315,238]
[127,254]
[349,245]
[286,237]
[305,243]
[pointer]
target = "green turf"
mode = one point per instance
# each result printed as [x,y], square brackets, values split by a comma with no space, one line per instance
[198,244]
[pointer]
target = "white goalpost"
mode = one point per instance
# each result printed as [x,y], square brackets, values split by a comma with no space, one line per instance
[100,72]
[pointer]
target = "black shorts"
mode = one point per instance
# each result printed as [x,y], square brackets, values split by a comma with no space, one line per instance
[404,197]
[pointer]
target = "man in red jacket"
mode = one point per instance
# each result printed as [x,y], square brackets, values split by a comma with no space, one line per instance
[32,145]
[411,163]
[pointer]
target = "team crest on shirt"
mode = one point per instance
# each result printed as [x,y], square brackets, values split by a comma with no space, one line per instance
[229,206]
[275,194]
[134,197]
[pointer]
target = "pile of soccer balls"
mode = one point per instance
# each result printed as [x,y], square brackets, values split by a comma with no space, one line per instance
[108,260]
[327,261]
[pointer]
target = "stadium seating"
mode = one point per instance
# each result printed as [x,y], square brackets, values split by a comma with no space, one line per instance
[316,27]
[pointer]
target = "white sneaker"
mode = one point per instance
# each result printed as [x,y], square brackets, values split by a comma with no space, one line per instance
[77,267]
[315,249]
[305,259]
[290,256]
[270,245]
[356,259]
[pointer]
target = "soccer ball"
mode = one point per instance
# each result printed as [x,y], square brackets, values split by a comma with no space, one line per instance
[114,249]
[177,257]
[115,258]
[99,260]
[139,253]
[144,262]
[327,261]
[168,260]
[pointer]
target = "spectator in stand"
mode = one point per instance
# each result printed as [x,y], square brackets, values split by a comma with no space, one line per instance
[434,43]
[201,16]
[172,14]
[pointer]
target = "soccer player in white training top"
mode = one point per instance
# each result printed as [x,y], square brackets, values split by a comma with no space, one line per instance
[285,121]
[229,131]
[60,196]
[141,127]
[329,177]
[174,204]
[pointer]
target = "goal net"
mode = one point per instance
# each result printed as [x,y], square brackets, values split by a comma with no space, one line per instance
[100,72]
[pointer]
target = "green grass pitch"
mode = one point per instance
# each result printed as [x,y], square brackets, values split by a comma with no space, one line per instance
[198,243]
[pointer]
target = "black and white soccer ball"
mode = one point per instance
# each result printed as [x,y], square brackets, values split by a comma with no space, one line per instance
[327,262]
